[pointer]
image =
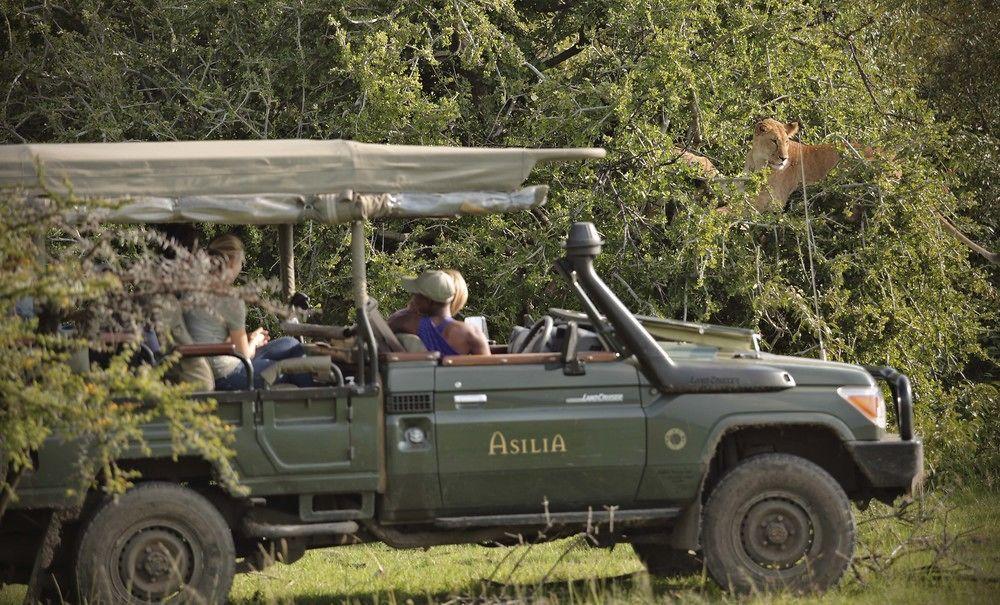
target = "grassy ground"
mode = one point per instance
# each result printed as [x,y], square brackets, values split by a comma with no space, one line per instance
[944,550]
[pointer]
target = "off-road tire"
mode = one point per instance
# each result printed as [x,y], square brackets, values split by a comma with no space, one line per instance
[777,521]
[158,541]
[661,560]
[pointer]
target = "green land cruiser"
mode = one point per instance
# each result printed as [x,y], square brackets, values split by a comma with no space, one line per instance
[682,439]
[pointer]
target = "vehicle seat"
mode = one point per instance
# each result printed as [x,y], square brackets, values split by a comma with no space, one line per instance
[386,339]
[411,342]
[319,366]
[516,339]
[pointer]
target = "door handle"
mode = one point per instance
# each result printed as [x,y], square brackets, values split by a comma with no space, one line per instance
[470,401]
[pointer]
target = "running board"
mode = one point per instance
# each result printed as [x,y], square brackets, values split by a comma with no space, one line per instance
[570,518]
[274,531]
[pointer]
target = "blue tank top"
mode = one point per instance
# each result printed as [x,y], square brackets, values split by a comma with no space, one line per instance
[433,336]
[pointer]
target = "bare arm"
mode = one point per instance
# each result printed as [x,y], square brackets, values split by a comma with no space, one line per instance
[478,345]
[248,344]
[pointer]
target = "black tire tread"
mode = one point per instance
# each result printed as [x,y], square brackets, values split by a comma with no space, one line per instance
[139,495]
[734,486]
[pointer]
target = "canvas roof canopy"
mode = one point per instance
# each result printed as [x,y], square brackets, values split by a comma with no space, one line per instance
[281,181]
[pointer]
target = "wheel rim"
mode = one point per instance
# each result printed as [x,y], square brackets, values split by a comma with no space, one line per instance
[777,531]
[156,561]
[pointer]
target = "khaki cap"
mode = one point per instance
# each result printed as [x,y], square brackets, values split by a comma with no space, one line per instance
[435,285]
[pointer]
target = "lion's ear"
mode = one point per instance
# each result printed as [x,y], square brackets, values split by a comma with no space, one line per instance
[759,126]
[791,128]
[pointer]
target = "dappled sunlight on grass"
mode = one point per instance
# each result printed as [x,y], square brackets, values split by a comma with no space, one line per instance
[939,551]
[942,536]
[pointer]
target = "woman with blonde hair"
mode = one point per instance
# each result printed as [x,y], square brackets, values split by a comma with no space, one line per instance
[436,295]
[224,320]
[461,291]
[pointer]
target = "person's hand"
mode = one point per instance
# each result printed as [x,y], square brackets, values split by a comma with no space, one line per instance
[259,337]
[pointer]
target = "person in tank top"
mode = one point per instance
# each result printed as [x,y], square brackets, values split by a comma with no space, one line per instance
[429,316]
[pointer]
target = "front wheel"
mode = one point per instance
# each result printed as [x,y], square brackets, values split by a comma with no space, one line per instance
[158,542]
[778,521]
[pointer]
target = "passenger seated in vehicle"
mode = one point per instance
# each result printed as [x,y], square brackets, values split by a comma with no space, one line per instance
[225,321]
[429,316]
[461,291]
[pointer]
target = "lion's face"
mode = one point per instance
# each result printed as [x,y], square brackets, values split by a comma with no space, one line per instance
[770,143]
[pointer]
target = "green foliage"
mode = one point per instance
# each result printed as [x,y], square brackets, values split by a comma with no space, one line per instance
[630,76]
[46,393]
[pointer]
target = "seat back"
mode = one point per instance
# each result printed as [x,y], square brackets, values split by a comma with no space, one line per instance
[386,339]
[411,342]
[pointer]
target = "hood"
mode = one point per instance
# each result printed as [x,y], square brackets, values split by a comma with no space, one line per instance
[814,372]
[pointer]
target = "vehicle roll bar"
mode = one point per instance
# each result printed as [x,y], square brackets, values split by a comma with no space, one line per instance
[360,279]
[902,396]
[292,328]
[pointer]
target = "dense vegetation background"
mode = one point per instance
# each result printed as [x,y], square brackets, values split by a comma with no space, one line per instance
[919,79]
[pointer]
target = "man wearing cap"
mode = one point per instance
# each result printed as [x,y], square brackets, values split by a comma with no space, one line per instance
[428,315]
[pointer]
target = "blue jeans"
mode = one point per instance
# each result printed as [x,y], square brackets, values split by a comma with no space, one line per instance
[285,347]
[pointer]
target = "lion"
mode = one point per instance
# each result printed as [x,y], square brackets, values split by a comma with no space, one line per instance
[792,163]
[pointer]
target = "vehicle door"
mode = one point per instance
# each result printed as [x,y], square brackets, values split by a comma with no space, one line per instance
[321,439]
[526,430]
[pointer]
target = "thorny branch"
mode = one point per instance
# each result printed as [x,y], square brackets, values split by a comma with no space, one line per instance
[929,532]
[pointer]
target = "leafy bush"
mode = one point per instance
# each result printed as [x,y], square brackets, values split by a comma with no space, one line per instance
[636,77]
[64,284]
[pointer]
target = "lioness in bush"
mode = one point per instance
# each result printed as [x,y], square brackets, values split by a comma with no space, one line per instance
[791,161]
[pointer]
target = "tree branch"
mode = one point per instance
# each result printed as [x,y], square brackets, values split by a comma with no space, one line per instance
[581,43]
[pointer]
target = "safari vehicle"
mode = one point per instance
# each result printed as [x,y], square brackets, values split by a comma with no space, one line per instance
[684,440]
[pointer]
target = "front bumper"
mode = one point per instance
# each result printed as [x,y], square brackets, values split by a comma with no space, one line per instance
[894,465]
[890,464]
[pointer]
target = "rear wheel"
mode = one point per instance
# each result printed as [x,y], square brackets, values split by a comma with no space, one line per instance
[157,542]
[661,560]
[778,521]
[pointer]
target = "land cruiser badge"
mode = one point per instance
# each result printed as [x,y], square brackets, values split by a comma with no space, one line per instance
[597,398]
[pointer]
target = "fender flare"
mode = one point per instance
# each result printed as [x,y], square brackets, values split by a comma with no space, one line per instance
[686,534]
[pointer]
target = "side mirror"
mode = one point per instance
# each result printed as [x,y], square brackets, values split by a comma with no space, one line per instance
[572,366]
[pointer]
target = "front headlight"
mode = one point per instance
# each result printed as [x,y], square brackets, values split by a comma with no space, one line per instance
[868,401]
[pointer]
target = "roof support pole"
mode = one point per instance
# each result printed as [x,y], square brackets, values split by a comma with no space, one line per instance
[286,248]
[359,277]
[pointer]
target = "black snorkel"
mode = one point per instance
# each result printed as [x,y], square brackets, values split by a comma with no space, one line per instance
[583,245]
[719,376]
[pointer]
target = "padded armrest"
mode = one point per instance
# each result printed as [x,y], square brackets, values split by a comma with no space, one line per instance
[511,359]
[218,349]
[207,349]
[413,356]
[317,330]
[598,356]
[118,338]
